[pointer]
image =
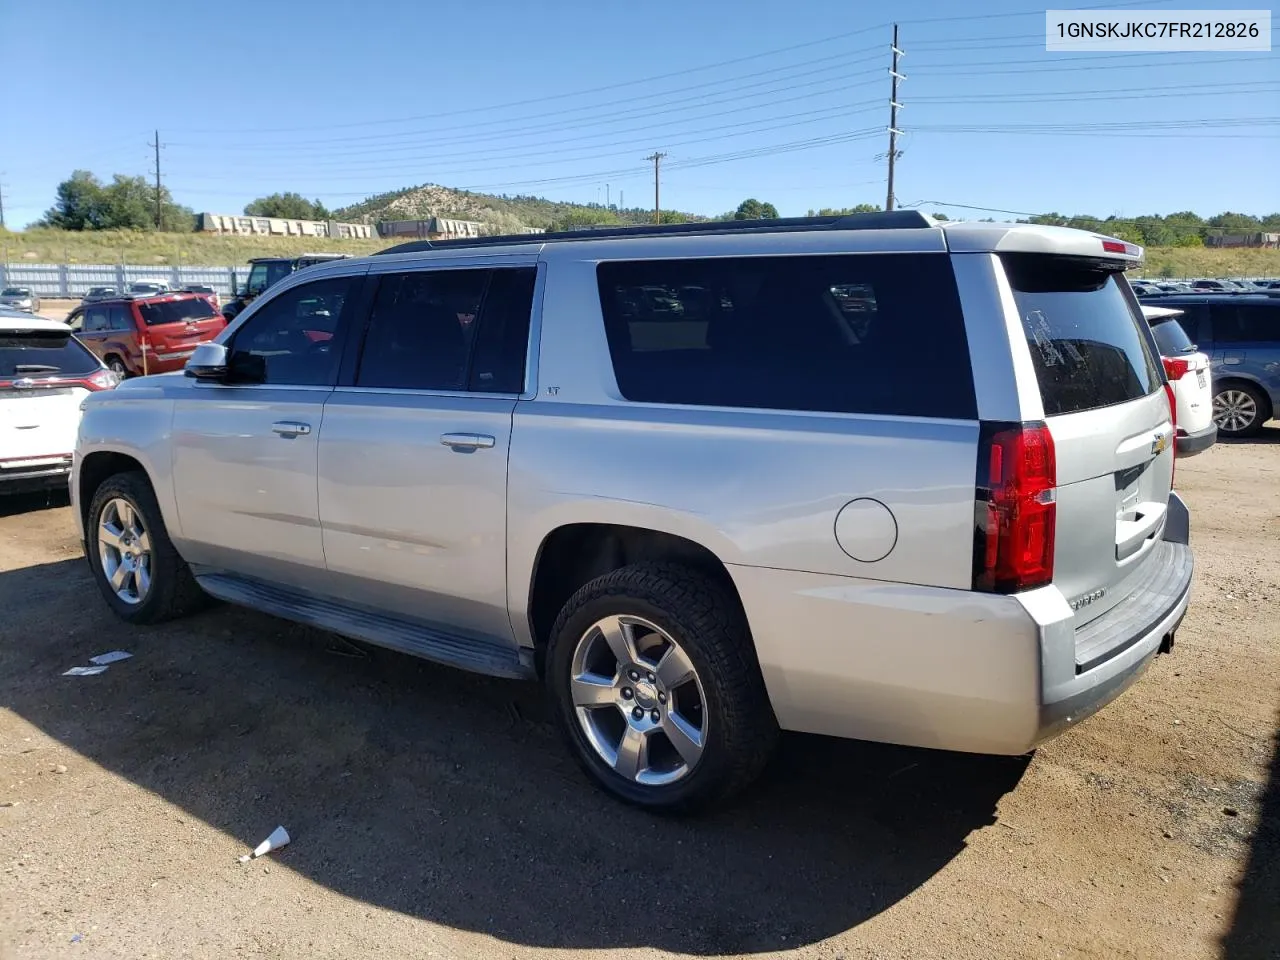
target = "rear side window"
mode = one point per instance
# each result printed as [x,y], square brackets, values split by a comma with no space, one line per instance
[869,334]
[40,353]
[1087,343]
[1171,338]
[1246,323]
[176,311]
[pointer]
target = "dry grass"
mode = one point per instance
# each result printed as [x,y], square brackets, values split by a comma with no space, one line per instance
[197,249]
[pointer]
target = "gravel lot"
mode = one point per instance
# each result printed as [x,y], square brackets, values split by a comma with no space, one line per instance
[436,814]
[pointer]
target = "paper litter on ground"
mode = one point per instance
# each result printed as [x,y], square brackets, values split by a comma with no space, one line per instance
[114,656]
[86,671]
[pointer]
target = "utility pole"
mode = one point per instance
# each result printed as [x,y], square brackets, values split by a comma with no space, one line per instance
[657,159]
[156,144]
[893,116]
[606,195]
[1,201]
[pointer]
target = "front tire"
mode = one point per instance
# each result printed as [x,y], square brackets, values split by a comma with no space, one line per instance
[657,688]
[134,563]
[1239,410]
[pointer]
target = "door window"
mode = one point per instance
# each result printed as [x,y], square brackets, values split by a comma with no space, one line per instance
[1247,323]
[118,317]
[421,330]
[502,339]
[96,320]
[293,339]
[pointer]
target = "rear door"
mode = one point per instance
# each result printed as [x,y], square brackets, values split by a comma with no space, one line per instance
[1102,387]
[413,451]
[1250,334]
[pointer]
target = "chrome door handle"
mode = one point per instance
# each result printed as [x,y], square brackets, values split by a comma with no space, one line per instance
[467,441]
[290,428]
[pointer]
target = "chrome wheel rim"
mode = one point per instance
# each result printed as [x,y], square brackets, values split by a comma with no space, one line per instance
[125,550]
[638,700]
[1234,410]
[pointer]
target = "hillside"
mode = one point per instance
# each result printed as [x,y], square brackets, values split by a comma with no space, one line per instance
[503,213]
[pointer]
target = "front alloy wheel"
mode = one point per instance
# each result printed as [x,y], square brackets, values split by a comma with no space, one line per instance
[124,549]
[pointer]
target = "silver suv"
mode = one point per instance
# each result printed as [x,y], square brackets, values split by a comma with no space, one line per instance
[870,477]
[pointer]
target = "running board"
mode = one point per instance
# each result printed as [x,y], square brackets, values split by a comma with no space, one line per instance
[408,636]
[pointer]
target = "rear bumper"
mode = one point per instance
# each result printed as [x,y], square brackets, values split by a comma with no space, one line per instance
[1189,444]
[948,669]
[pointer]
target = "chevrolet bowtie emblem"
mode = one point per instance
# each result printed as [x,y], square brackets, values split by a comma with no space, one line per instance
[1158,443]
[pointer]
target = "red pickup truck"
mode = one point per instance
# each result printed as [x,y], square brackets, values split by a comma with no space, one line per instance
[139,335]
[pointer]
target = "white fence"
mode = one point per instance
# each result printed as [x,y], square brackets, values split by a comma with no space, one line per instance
[72,280]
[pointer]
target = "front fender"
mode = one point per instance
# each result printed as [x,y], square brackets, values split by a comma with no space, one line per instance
[134,420]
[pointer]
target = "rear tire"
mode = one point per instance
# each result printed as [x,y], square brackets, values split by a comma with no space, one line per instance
[134,563]
[116,366]
[679,720]
[1240,409]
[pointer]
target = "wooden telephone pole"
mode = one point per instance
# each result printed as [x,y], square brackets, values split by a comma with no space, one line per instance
[657,159]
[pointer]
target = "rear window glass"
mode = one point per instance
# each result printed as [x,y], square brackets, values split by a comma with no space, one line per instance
[41,353]
[871,334]
[1171,338]
[1087,343]
[176,311]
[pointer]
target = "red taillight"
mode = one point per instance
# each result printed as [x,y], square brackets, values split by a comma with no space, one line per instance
[1115,246]
[1017,508]
[1175,368]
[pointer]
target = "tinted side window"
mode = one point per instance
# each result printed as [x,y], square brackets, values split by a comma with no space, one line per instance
[1259,322]
[502,339]
[95,319]
[295,333]
[1171,338]
[119,318]
[421,329]
[1087,343]
[840,334]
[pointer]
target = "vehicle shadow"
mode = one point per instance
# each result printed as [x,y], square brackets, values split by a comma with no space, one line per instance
[52,499]
[1270,434]
[449,797]
[1255,929]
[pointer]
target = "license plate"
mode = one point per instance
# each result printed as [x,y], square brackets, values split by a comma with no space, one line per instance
[1200,378]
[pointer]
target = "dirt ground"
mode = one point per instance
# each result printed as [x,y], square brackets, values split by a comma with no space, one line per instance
[435,814]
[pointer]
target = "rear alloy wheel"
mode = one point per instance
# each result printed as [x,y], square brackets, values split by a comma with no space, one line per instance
[657,688]
[116,366]
[1239,410]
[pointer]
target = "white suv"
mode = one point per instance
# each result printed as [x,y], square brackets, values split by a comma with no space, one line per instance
[870,477]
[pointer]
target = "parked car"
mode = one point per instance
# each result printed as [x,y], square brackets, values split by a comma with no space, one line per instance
[1215,286]
[205,291]
[141,335]
[1173,286]
[20,298]
[1187,370]
[497,454]
[148,288]
[1143,289]
[44,374]
[266,272]
[1241,335]
[99,293]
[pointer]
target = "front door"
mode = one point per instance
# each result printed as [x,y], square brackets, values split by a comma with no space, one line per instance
[244,453]
[413,449]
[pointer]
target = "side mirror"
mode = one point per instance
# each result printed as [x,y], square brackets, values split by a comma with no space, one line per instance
[208,362]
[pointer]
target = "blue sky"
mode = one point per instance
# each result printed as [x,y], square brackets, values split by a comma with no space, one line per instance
[784,101]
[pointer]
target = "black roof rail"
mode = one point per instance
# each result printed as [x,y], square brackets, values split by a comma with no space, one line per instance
[888,220]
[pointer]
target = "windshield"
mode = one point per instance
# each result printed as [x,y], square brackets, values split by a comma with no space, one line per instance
[176,311]
[43,353]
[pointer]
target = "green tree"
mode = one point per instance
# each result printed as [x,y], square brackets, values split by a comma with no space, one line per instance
[1234,223]
[80,204]
[289,206]
[845,211]
[753,209]
[582,217]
